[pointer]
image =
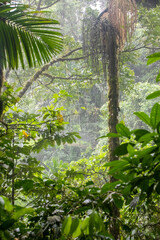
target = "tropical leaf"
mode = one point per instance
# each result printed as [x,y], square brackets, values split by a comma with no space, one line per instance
[26,36]
[153,95]
[153,58]
[123,130]
[155,115]
[140,133]
[144,117]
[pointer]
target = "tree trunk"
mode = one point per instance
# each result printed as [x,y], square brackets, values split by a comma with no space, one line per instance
[113,91]
[1,86]
[13,183]
[113,109]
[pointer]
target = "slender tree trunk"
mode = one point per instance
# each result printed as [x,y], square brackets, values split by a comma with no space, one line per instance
[113,109]
[1,86]
[13,188]
[113,91]
[13,177]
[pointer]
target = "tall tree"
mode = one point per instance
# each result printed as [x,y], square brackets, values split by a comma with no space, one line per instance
[108,34]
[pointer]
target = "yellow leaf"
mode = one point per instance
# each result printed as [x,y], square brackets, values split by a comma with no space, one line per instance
[60,117]
[25,134]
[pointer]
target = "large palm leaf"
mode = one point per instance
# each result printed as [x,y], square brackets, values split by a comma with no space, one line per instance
[26,36]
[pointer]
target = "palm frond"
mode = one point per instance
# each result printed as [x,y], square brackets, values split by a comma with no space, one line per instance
[25,36]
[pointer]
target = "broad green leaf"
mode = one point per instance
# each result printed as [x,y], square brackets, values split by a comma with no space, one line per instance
[113,135]
[139,133]
[75,230]
[95,223]
[26,184]
[85,225]
[146,138]
[153,58]
[130,149]
[8,206]
[106,236]
[116,171]
[116,163]
[155,115]
[144,117]
[57,138]
[109,186]
[22,212]
[146,151]
[121,150]
[153,95]
[67,225]
[123,130]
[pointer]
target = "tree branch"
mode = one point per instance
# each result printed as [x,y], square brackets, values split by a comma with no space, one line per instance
[137,48]
[71,77]
[50,5]
[46,67]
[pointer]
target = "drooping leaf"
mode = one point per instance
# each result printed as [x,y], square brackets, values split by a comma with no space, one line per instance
[153,58]
[145,152]
[144,117]
[109,187]
[21,212]
[123,130]
[130,149]
[155,115]
[26,184]
[85,225]
[96,223]
[67,225]
[75,230]
[8,206]
[153,95]
[146,138]
[139,133]
[113,135]
[121,150]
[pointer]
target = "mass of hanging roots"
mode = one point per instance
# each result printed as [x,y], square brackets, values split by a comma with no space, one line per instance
[121,17]
[91,40]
